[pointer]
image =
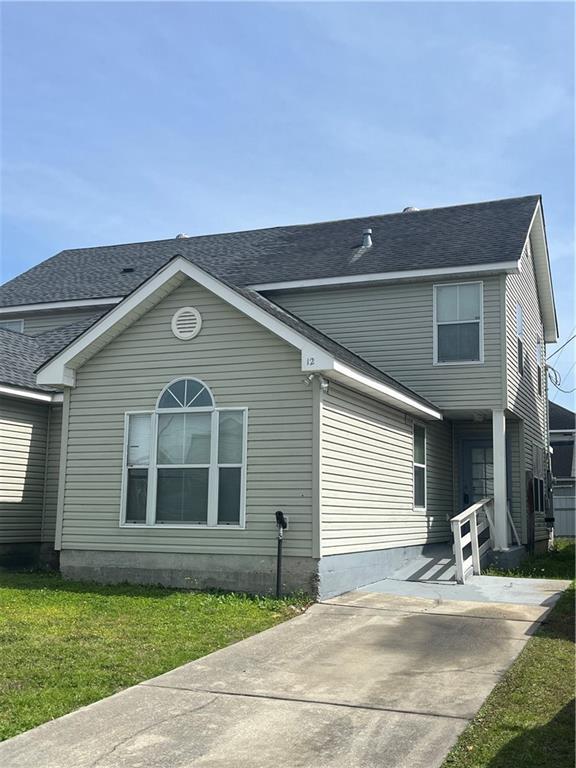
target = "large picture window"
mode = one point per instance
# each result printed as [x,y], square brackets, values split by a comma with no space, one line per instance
[458,332]
[184,463]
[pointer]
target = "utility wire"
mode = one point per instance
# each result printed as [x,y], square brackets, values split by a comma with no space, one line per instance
[562,347]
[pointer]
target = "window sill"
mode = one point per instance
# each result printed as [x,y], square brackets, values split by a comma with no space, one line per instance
[193,526]
[459,362]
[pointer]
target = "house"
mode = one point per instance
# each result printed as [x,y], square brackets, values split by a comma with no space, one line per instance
[562,436]
[370,378]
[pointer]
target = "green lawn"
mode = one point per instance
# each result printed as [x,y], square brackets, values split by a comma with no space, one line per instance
[528,720]
[66,644]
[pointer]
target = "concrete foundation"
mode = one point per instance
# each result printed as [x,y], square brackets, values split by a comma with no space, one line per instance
[239,573]
[324,578]
[342,573]
[509,558]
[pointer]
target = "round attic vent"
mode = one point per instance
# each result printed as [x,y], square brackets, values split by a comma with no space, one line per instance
[186,323]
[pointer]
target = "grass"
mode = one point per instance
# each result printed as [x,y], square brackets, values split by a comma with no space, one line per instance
[66,644]
[528,720]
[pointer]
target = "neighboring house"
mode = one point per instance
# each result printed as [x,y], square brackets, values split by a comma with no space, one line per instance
[368,377]
[562,437]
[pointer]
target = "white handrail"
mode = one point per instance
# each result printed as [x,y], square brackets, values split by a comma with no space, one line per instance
[470,515]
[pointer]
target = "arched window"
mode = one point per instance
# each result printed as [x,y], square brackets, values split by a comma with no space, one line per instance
[185,462]
[185,393]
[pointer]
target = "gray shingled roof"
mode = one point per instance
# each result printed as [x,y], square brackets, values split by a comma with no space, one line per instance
[462,235]
[21,355]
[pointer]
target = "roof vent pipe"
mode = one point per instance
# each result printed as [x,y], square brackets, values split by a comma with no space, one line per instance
[367,238]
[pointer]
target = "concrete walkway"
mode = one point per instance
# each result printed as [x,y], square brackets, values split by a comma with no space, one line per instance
[365,680]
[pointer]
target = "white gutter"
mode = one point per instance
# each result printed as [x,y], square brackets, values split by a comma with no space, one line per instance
[50,305]
[44,397]
[380,391]
[378,277]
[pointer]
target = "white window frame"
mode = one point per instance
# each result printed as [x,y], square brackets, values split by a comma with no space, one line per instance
[18,321]
[520,346]
[415,464]
[213,467]
[480,322]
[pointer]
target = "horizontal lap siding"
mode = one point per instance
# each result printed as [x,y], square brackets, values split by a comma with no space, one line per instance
[439,479]
[35,324]
[522,391]
[392,327]
[366,476]
[52,473]
[23,430]
[245,366]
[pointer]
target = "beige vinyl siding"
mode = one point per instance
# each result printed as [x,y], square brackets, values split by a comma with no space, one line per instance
[439,479]
[23,431]
[40,322]
[52,470]
[245,366]
[523,399]
[367,477]
[392,327]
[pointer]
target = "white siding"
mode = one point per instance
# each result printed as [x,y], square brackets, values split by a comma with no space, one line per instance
[244,365]
[367,477]
[392,327]
[23,430]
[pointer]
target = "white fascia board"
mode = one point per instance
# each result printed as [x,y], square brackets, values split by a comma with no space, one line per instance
[380,391]
[50,305]
[61,371]
[381,277]
[541,259]
[27,394]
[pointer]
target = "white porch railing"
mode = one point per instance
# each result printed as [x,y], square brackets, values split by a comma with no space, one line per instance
[479,516]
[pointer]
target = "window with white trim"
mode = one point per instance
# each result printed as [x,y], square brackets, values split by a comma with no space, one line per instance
[520,338]
[185,462]
[458,332]
[419,467]
[12,325]
[539,363]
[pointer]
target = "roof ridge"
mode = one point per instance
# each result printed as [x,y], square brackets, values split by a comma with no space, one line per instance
[299,226]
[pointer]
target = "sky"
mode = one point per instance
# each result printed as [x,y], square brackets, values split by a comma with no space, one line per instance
[135,121]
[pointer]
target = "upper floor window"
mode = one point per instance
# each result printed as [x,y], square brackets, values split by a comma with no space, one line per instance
[12,325]
[520,338]
[458,331]
[185,462]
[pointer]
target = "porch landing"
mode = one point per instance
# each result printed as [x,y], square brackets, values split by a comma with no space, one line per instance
[432,576]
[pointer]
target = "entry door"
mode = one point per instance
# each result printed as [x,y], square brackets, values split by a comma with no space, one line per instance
[477,467]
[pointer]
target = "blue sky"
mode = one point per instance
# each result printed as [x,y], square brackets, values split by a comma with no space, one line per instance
[135,121]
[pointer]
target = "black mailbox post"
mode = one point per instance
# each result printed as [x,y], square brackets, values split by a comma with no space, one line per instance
[281,525]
